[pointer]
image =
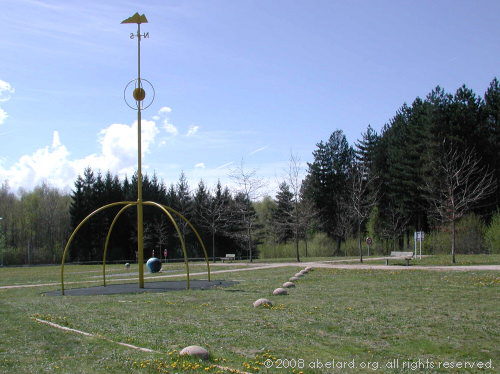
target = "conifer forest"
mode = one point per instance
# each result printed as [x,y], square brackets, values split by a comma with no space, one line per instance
[434,167]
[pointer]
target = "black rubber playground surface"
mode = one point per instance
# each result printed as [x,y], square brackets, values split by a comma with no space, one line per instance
[166,286]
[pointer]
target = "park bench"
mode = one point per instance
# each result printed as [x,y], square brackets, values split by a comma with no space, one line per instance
[400,256]
[229,257]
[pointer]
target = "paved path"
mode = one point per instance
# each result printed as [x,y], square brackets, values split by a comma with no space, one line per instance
[254,266]
[399,267]
[354,264]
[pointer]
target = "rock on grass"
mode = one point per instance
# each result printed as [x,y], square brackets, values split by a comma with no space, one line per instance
[196,351]
[262,302]
[280,291]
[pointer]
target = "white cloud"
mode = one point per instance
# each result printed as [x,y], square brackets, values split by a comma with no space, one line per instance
[201,165]
[46,164]
[3,115]
[53,164]
[119,146]
[224,166]
[192,130]
[5,91]
[56,142]
[169,128]
[164,110]
[258,150]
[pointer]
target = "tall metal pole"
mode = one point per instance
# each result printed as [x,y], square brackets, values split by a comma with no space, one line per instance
[139,95]
[140,222]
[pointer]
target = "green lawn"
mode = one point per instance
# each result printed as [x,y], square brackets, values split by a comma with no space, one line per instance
[416,319]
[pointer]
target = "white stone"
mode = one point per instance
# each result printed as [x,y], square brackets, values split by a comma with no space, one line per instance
[309,268]
[194,350]
[280,291]
[261,302]
[299,275]
[293,279]
[288,285]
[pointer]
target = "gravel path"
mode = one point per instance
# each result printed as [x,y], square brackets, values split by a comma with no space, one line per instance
[354,264]
[334,264]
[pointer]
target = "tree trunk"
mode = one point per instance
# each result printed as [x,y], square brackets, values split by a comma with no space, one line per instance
[297,244]
[359,243]
[249,242]
[453,240]
[213,246]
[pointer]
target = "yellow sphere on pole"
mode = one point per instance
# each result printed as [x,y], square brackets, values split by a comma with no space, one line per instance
[139,94]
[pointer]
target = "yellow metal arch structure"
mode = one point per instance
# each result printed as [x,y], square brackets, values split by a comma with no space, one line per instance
[129,204]
[107,241]
[196,233]
[176,228]
[78,228]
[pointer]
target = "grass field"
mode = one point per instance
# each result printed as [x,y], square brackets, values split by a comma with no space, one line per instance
[391,321]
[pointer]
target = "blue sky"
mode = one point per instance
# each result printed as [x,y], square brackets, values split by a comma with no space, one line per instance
[234,80]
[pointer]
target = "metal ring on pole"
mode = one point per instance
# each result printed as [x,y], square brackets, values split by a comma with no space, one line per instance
[138,93]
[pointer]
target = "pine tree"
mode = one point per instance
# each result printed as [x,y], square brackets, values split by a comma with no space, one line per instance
[283,215]
[467,128]
[86,235]
[201,202]
[77,212]
[328,175]
[173,245]
[365,149]
[491,110]
[185,202]
[407,149]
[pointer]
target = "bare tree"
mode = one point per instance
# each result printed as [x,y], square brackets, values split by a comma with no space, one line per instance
[298,217]
[294,180]
[249,187]
[395,223]
[307,214]
[344,221]
[459,182]
[159,229]
[361,198]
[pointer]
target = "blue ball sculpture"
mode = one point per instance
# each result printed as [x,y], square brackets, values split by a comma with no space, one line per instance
[154,265]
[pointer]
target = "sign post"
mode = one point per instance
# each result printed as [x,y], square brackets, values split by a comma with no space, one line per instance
[369,242]
[419,236]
